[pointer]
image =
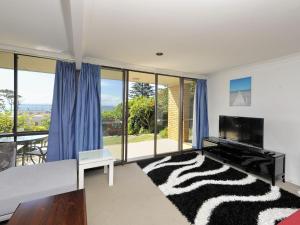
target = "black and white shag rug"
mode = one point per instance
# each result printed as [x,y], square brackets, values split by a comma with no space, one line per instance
[207,192]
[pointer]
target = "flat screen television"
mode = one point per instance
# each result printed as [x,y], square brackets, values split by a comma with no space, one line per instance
[245,130]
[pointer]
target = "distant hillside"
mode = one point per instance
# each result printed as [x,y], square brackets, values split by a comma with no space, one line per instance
[105,108]
[47,108]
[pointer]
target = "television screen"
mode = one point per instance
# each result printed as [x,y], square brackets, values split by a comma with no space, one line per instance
[242,129]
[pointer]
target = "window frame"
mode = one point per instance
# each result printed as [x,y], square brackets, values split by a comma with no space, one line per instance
[180,150]
[15,132]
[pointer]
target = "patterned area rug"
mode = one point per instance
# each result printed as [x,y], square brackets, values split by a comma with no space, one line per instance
[207,192]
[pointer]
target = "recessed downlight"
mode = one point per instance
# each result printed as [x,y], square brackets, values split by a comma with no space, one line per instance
[159,53]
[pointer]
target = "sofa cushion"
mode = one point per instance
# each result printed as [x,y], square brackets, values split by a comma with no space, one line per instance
[293,219]
[25,183]
[7,155]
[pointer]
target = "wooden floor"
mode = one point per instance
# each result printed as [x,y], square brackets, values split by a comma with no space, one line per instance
[67,208]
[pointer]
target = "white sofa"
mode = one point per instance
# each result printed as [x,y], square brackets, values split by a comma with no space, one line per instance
[25,183]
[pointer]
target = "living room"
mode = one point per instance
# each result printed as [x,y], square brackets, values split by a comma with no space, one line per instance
[149,112]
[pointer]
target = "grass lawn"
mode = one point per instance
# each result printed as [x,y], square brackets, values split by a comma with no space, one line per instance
[114,140]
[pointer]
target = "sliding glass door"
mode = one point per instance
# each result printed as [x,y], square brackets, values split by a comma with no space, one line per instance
[112,101]
[141,114]
[188,113]
[145,114]
[168,109]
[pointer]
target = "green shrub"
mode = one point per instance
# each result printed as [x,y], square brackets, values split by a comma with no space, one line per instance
[164,133]
[144,131]
[141,115]
[6,122]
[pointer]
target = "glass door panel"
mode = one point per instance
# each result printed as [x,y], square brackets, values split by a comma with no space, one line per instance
[141,114]
[112,111]
[168,106]
[6,93]
[188,113]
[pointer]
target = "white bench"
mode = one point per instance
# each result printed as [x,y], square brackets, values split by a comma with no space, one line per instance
[93,159]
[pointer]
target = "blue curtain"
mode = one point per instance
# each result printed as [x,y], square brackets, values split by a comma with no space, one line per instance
[88,128]
[61,141]
[200,126]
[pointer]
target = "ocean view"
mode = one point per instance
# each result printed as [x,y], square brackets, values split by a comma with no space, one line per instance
[47,108]
[34,108]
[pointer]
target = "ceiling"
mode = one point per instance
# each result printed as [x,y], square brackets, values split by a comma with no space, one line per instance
[196,36]
[27,63]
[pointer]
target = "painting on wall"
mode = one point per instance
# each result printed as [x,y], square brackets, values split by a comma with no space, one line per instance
[240,92]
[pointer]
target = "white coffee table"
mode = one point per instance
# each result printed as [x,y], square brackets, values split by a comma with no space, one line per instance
[92,159]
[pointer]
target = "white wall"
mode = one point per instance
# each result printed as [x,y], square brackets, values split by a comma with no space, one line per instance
[275,97]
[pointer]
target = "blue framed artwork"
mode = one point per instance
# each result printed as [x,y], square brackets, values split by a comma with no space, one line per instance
[240,92]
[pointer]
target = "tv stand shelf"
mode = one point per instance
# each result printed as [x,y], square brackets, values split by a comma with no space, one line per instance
[264,163]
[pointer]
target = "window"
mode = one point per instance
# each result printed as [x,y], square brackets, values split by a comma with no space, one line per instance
[33,88]
[6,92]
[159,109]
[35,91]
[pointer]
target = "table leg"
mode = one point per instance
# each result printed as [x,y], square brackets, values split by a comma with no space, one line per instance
[111,174]
[80,178]
[105,169]
[23,155]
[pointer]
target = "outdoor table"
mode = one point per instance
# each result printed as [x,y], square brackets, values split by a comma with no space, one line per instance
[23,142]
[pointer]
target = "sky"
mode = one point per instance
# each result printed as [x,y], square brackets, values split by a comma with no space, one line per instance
[37,88]
[111,92]
[34,87]
[243,84]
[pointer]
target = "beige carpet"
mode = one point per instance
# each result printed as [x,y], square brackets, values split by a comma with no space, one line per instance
[133,200]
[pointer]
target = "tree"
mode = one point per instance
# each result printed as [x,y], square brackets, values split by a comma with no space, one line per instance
[2,104]
[141,115]
[45,123]
[141,89]
[114,114]
[8,96]
[6,122]
[25,122]
[162,100]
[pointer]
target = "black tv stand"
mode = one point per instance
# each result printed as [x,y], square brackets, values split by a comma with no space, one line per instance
[267,164]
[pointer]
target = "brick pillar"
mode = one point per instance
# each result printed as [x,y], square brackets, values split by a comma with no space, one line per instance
[173,111]
[186,111]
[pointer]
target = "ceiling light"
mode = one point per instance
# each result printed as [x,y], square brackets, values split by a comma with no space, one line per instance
[159,53]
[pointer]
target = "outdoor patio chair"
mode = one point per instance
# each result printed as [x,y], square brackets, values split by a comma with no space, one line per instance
[7,155]
[37,151]
[36,148]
